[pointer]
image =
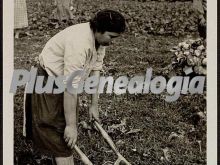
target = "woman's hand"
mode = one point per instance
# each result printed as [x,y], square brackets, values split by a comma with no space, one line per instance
[70,136]
[94,113]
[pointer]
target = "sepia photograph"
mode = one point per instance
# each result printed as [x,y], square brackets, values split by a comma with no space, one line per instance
[110,82]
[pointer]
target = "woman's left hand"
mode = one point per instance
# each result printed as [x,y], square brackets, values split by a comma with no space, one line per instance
[94,113]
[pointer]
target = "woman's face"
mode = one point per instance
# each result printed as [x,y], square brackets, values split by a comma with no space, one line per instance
[105,38]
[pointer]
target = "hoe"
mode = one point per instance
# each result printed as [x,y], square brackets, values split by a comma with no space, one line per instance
[120,161]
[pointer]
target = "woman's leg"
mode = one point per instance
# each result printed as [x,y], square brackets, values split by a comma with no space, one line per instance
[17,33]
[60,10]
[64,160]
[66,6]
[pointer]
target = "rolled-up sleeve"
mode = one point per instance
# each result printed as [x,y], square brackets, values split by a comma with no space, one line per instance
[100,57]
[74,60]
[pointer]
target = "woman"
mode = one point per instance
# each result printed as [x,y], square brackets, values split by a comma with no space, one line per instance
[62,12]
[52,118]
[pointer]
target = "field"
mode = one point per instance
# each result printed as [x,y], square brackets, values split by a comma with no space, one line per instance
[146,129]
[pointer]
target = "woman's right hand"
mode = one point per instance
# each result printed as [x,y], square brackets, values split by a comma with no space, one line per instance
[70,136]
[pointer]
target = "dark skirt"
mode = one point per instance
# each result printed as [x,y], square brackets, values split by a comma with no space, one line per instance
[45,122]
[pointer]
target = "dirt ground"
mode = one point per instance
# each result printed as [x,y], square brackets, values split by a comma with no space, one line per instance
[146,129]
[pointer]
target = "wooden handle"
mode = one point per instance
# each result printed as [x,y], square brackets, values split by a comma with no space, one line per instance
[106,137]
[83,157]
[111,143]
[121,161]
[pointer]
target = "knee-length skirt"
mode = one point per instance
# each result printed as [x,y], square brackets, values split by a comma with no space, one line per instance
[20,14]
[45,122]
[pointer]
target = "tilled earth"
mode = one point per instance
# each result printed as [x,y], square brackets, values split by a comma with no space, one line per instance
[146,129]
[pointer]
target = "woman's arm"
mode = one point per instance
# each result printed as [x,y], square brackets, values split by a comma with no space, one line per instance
[70,113]
[93,109]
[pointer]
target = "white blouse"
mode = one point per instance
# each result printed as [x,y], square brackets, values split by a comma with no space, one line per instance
[71,50]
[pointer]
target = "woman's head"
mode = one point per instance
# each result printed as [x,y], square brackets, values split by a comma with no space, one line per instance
[107,24]
[108,20]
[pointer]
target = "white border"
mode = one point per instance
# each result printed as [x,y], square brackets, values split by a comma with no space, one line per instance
[212,82]
[8,132]
[8,103]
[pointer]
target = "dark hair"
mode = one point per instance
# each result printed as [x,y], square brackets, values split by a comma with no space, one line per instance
[108,20]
